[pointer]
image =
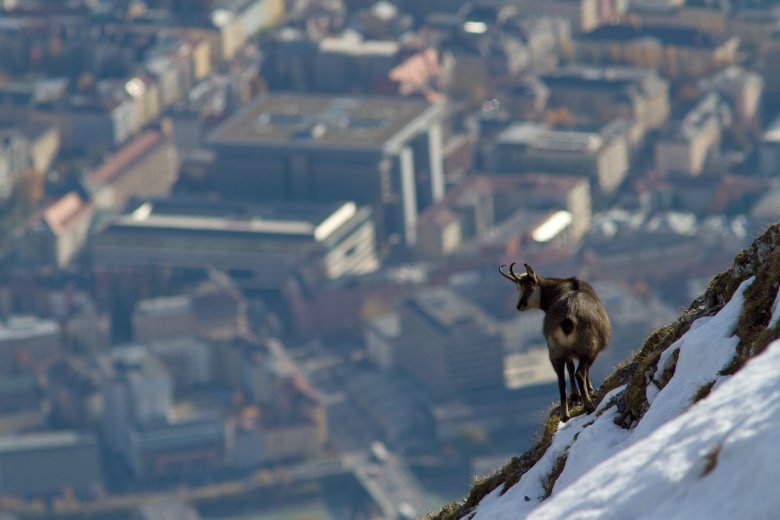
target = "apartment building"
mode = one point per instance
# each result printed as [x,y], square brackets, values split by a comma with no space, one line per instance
[260,246]
[28,342]
[602,94]
[72,460]
[601,154]
[448,344]
[685,146]
[676,52]
[383,152]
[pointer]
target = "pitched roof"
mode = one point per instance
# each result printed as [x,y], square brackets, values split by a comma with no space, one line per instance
[64,212]
[118,163]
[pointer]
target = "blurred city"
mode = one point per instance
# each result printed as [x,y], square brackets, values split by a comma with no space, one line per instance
[249,248]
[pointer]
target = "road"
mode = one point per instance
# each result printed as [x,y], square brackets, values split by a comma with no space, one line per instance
[390,483]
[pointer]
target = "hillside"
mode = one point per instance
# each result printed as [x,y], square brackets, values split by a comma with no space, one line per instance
[685,429]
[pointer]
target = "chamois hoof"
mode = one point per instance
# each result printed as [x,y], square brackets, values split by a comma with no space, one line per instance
[589,407]
[564,417]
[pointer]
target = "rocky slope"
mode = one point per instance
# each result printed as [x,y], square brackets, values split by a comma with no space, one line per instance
[684,429]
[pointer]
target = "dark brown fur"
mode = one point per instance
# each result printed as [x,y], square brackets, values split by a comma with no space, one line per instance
[576,326]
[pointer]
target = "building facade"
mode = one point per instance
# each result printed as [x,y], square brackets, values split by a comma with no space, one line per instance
[188,447]
[601,154]
[448,344]
[137,392]
[675,52]
[27,342]
[686,145]
[71,459]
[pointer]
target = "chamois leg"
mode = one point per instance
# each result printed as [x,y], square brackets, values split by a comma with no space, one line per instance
[587,381]
[574,396]
[582,369]
[559,366]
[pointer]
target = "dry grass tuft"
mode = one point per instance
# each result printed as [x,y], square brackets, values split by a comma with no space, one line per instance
[703,391]
[711,457]
[669,369]
[549,481]
[507,476]
[753,322]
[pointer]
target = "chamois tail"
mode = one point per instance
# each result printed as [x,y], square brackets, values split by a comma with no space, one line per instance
[567,326]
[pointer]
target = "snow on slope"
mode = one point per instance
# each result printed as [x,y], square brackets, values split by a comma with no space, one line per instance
[717,461]
[663,467]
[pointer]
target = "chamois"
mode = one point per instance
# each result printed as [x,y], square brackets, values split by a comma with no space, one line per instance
[576,325]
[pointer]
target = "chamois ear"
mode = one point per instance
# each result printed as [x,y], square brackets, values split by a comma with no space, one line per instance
[530,271]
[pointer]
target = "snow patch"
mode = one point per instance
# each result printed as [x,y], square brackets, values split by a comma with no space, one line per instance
[704,350]
[594,445]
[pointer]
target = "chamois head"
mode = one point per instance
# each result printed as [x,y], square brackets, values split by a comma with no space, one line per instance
[576,327]
[528,290]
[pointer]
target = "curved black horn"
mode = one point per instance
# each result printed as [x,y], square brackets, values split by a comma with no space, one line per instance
[504,274]
[512,271]
[529,270]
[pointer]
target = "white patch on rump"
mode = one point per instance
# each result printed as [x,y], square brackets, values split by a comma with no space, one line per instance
[562,339]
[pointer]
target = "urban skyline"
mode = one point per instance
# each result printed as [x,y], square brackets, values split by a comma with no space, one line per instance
[249,248]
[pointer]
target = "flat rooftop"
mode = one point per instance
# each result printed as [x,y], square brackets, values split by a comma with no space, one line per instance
[536,136]
[166,305]
[600,78]
[771,134]
[26,327]
[291,220]
[322,121]
[449,310]
[358,47]
[44,441]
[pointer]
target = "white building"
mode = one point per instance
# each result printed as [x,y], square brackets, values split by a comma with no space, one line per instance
[137,392]
[187,360]
[381,336]
[685,146]
[13,160]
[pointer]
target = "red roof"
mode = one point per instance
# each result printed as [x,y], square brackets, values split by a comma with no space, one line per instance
[116,165]
[64,212]
[418,70]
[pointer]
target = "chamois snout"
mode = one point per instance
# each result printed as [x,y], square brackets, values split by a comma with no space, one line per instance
[576,327]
